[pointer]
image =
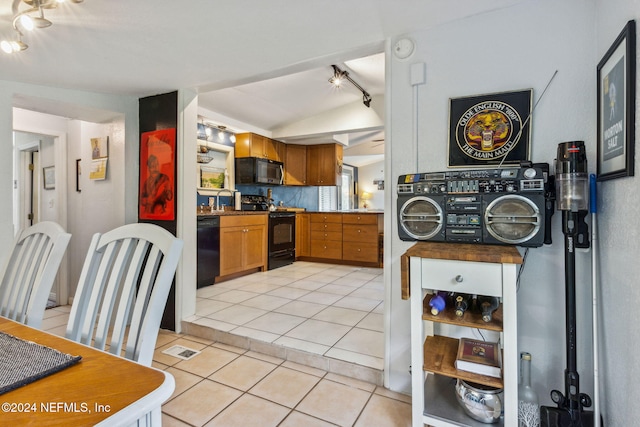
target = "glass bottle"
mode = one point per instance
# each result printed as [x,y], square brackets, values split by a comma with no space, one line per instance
[528,409]
[462,303]
[487,306]
[438,302]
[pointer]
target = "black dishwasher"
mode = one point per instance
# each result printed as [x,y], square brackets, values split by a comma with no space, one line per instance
[208,250]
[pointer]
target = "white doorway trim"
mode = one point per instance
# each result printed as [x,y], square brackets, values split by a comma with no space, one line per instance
[60,155]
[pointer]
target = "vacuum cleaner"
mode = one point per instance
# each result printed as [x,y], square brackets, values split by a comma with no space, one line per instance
[572,198]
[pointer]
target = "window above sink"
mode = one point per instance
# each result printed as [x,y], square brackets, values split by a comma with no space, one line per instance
[215,168]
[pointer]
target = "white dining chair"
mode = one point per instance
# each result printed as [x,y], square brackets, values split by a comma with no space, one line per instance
[123,289]
[30,271]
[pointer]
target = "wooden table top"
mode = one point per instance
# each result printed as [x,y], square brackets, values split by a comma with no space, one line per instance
[456,252]
[466,252]
[100,386]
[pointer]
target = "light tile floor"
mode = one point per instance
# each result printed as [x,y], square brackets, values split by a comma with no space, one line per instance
[326,310]
[229,386]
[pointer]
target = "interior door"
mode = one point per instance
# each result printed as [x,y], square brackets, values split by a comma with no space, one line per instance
[29,154]
[28,177]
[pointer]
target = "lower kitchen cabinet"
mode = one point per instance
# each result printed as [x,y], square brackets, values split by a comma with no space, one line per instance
[347,238]
[303,235]
[326,236]
[360,237]
[243,243]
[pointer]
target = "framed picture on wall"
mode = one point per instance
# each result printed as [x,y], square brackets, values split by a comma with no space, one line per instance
[211,177]
[99,147]
[489,130]
[49,177]
[616,106]
[157,175]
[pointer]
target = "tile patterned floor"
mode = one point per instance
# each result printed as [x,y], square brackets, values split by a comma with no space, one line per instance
[228,386]
[329,315]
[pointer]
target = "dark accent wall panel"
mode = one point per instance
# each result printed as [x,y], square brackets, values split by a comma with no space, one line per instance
[156,113]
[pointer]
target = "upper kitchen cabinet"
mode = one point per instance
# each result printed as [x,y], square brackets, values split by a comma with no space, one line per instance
[254,145]
[295,164]
[324,164]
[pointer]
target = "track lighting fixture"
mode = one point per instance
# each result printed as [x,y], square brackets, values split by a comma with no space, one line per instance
[29,20]
[340,76]
[11,46]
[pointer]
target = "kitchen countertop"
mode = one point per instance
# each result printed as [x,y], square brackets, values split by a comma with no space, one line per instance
[207,212]
[352,211]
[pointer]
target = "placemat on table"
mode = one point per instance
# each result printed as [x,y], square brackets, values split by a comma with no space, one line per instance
[23,362]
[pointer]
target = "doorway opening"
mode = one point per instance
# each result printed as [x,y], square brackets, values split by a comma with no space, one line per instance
[32,202]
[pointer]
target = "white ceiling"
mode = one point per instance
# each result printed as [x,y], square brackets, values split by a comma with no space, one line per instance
[273,103]
[234,53]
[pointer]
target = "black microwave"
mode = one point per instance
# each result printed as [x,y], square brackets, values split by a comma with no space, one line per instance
[254,170]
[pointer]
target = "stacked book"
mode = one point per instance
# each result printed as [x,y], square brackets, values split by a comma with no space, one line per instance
[479,357]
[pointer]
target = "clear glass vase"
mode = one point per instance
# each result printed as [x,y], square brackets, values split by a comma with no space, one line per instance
[528,407]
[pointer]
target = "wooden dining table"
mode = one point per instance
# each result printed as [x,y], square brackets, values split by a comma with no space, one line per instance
[101,389]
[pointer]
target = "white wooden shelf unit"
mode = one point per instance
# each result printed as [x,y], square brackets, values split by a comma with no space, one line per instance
[462,268]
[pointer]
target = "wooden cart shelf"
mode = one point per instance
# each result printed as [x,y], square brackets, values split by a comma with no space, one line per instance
[470,319]
[440,358]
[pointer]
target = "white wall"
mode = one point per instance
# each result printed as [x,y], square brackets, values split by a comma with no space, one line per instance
[48,198]
[619,246]
[366,175]
[511,49]
[119,206]
[99,206]
[186,203]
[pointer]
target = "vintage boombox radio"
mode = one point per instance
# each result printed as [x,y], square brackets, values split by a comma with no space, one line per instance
[510,206]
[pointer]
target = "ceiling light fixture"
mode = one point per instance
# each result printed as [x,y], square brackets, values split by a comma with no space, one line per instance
[11,46]
[338,78]
[29,20]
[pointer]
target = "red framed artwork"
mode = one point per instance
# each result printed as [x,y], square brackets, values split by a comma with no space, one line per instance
[157,175]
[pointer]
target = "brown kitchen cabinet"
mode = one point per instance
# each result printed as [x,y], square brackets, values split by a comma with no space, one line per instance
[243,243]
[345,238]
[295,164]
[254,145]
[326,236]
[324,164]
[303,235]
[360,237]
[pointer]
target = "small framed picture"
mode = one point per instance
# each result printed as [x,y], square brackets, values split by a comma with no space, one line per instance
[616,106]
[99,147]
[490,130]
[211,177]
[49,177]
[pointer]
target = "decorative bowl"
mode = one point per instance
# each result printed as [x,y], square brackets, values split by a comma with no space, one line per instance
[480,402]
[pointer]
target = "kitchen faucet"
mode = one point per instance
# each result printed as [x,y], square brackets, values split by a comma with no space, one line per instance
[224,190]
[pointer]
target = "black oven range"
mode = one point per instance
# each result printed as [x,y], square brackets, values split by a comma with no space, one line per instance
[282,240]
[282,231]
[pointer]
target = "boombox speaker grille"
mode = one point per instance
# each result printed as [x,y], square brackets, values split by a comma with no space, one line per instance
[421,218]
[512,219]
